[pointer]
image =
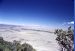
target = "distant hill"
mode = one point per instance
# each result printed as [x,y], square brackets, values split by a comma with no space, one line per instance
[19,28]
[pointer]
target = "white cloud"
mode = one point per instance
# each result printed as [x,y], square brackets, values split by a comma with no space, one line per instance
[66,23]
[72,22]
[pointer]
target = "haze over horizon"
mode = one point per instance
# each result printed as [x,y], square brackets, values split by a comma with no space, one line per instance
[49,13]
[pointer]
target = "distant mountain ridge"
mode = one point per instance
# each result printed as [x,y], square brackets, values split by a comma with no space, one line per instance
[19,27]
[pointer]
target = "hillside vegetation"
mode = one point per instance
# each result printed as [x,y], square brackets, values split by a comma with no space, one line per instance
[14,46]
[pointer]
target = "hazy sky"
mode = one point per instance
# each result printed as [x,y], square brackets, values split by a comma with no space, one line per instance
[36,12]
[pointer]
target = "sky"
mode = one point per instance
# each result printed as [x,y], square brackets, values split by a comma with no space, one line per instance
[51,13]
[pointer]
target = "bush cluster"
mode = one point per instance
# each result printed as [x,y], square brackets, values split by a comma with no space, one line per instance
[14,46]
[65,39]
